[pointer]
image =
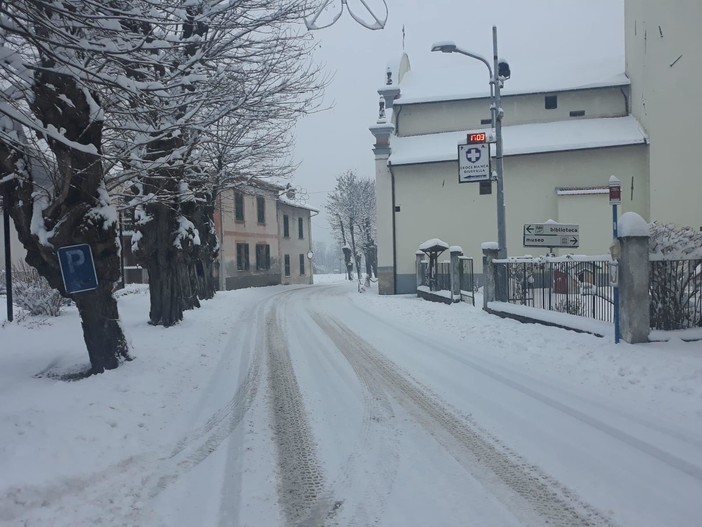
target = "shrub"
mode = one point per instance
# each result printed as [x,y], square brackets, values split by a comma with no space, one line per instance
[32,292]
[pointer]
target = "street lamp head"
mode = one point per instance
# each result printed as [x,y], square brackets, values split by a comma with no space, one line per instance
[503,70]
[444,46]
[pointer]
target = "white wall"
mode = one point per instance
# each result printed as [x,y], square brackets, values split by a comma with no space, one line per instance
[664,63]
[454,116]
[434,205]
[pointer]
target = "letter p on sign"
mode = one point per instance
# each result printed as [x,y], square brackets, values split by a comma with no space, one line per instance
[77,268]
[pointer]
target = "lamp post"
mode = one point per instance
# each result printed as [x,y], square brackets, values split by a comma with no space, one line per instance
[499,72]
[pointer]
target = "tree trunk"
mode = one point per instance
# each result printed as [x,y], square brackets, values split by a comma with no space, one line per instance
[75,214]
[353,248]
[101,330]
[157,254]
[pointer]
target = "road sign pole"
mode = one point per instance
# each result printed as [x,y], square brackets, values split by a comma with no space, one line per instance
[615,197]
[497,118]
[8,259]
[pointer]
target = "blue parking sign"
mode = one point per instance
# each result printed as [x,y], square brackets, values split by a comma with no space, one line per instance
[77,268]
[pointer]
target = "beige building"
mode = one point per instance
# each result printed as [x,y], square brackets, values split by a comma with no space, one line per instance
[265,239]
[295,230]
[664,63]
[562,139]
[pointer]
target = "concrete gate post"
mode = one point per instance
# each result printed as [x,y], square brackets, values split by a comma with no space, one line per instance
[634,305]
[455,252]
[490,251]
[418,257]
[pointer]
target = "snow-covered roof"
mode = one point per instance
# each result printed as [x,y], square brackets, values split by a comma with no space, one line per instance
[433,243]
[521,139]
[286,201]
[470,80]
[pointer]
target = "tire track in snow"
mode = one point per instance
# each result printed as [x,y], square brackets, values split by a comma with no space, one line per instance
[531,495]
[377,448]
[301,477]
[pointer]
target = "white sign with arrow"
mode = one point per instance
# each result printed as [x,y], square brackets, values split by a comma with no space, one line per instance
[551,234]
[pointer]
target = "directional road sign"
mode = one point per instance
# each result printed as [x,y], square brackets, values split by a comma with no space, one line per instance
[551,235]
[473,162]
[77,268]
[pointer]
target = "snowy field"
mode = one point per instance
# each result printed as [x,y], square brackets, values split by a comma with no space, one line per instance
[186,433]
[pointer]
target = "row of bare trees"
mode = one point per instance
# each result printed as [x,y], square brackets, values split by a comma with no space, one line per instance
[350,208]
[153,107]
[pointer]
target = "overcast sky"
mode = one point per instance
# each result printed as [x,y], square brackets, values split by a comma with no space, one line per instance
[541,34]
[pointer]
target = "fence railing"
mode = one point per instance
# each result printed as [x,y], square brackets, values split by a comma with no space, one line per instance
[466,277]
[675,292]
[574,286]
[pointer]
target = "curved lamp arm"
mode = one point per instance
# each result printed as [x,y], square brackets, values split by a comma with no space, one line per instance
[379,23]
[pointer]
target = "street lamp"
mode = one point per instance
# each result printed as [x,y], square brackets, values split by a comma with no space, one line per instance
[499,72]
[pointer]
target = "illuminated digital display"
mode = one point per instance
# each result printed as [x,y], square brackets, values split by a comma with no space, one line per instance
[477,137]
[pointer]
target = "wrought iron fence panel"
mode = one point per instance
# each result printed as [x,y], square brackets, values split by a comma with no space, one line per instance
[466,278]
[577,287]
[675,292]
[443,278]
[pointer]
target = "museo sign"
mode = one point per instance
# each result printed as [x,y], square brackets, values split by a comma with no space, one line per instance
[551,234]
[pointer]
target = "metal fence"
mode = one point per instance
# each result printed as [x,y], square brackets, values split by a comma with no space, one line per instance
[443,276]
[576,287]
[466,277]
[675,292]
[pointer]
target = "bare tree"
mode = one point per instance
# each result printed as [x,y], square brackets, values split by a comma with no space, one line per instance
[351,210]
[228,82]
[51,145]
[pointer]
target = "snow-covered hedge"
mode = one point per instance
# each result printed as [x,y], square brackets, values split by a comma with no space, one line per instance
[33,293]
[675,283]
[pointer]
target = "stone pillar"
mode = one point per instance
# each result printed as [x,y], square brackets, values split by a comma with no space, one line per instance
[384,209]
[418,256]
[634,306]
[455,252]
[489,254]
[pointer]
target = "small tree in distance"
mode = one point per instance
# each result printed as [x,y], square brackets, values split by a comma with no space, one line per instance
[351,210]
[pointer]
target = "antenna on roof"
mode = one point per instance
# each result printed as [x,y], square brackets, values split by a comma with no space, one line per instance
[367,17]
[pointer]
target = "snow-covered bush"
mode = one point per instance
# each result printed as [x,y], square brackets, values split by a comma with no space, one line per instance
[675,282]
[33,293]
[2,282]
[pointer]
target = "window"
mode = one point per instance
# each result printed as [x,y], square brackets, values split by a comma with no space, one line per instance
[261,209]
[486,187]
[286,226]
[263,256]
[238,206]
[300,230]
[577,113]
[287,265]
[302,264]
[551,102]
[242,256]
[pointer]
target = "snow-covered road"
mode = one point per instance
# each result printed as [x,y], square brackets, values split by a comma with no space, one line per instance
[374,422]
[327,407]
